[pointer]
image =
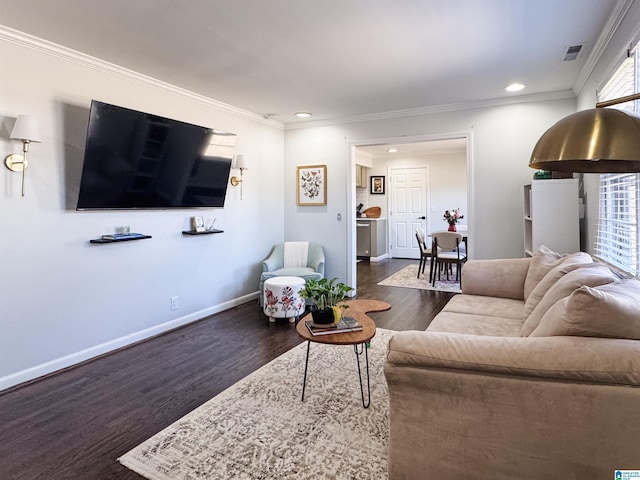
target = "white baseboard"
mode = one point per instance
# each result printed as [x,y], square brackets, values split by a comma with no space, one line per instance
[88,353]
[379,259]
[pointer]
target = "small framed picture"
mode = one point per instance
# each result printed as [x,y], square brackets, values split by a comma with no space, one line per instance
[197,224]
[377,184]
[311,185]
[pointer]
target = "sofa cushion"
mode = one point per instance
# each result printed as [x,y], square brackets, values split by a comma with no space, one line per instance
[611,311]
[475,324]
[579,360]
[499,277]
[589,274]
[565,265]
[485,305]
[542,261]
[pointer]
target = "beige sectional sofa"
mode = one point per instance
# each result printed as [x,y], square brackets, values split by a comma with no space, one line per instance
[533,372]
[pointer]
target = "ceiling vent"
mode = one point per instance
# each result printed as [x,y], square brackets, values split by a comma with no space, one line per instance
[572,52]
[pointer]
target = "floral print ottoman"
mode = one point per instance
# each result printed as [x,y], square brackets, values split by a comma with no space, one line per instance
[282,298]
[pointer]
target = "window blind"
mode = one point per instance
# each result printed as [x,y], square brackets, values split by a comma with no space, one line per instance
[622,83]
[617,232]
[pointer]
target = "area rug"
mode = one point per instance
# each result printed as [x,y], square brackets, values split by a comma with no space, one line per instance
[408,278]
[260,429]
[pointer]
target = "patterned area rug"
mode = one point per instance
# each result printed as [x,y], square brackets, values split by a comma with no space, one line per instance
[408,278]
[260,429]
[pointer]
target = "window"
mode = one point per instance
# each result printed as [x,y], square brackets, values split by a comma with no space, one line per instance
[619,197]
[617,235]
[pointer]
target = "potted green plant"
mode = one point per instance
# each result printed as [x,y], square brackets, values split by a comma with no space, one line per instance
[325,296]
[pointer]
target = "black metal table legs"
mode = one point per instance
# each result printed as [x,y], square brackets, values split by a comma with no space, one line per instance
[306,364]
[364,347]
[359,349]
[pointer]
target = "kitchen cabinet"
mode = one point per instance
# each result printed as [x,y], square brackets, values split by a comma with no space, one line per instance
[361,176]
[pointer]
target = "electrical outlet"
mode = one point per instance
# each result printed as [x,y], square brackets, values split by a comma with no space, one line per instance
[174,303]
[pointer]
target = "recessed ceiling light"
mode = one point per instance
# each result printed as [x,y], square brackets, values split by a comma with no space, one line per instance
[303,114]
[392,150]
[515,87]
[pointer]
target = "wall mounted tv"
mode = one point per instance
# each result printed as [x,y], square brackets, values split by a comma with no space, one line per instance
[136,160]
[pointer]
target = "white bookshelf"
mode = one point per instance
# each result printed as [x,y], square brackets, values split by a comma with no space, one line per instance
[551,215]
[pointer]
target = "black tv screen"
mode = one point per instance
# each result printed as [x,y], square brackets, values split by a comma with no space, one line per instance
[134,159]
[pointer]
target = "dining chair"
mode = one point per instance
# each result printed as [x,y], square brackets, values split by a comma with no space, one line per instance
[425,252]
[446,252]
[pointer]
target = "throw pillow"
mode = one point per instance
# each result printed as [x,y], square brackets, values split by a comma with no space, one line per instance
[565,265]
[611,311]
[589,274]
[542,261]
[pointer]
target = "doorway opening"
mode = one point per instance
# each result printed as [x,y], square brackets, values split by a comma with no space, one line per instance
[422,177]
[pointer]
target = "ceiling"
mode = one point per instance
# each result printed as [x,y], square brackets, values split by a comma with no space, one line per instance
[407,150]
[334,58]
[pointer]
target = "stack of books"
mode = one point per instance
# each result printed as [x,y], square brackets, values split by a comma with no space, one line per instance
[346,324]
[122,236]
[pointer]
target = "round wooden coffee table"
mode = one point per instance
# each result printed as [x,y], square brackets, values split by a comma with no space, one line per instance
[358,309]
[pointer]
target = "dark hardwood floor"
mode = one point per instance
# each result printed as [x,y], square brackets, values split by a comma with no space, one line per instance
[76,423]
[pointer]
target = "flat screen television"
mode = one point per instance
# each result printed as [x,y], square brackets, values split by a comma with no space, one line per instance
[136,160]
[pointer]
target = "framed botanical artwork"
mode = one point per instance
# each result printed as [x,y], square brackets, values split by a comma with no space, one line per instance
[377,184]
[311,185]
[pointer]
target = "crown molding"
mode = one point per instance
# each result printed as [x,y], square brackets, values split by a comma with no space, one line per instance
[436,109]
[44,46]
[613,22]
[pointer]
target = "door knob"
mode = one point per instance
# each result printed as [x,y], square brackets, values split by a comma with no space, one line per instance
[422,218]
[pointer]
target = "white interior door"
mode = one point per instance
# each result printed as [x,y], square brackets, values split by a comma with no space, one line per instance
[407,210]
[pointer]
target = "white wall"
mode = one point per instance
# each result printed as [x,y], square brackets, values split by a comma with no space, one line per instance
[502,138]
[328,224]
[448,188]
[62,299]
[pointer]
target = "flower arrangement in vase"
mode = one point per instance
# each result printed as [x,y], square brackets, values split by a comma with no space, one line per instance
[452,217]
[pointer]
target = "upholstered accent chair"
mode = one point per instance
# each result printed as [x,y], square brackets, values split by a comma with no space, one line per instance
[308,267]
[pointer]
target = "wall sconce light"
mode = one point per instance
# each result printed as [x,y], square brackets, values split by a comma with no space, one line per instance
[25,129]
[239,163]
